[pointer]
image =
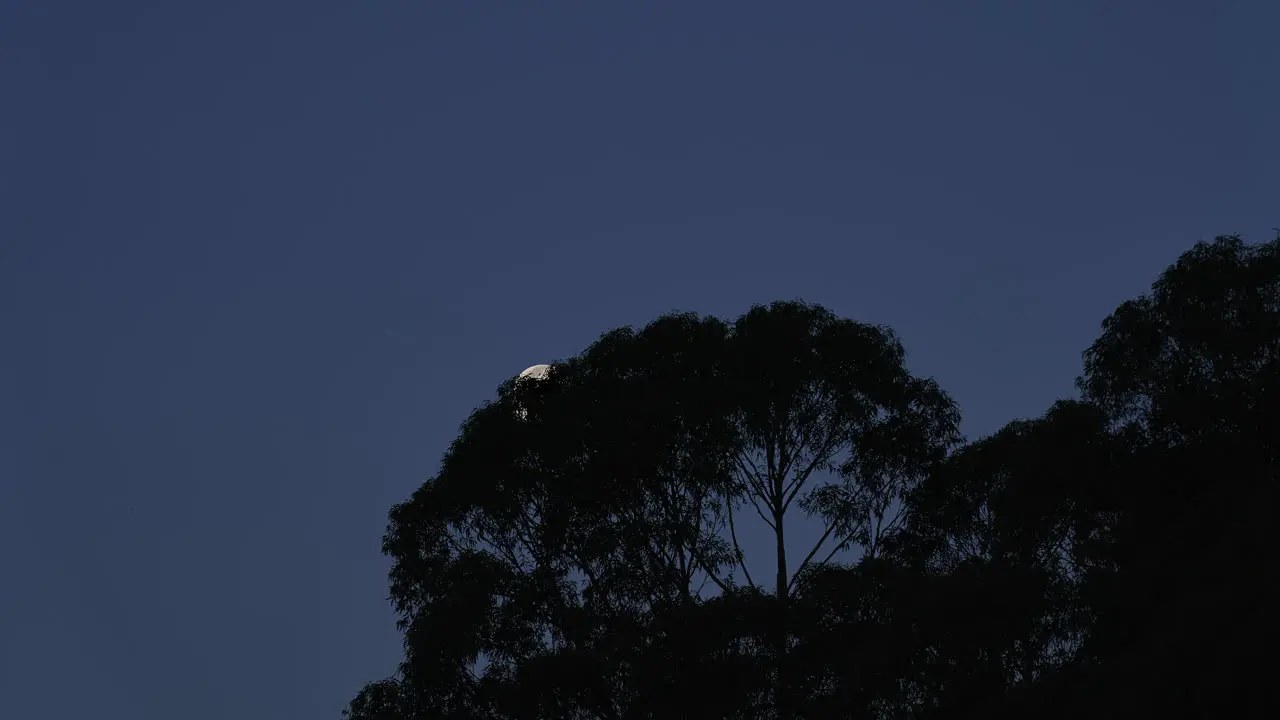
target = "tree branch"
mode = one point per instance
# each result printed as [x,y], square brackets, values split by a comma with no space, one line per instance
[831,554]
[897,517]
[823,455]
[756,489]
[760,512]
[830,527]
[740,458]
[737,549]
[508,555]
[752,475]
[707,568]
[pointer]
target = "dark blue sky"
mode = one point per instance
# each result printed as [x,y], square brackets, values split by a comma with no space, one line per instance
[259,259]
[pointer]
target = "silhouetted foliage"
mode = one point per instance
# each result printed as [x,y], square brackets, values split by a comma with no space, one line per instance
[577,554]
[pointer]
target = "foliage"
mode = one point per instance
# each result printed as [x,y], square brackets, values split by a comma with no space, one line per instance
[577,554]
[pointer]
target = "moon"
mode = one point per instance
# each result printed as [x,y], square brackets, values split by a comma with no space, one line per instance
[536,372]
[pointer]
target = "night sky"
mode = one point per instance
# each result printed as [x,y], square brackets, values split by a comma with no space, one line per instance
[258,260]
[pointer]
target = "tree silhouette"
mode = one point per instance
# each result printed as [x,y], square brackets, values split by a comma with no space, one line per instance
[1169,497]
[1190,374]
[541,572]
[577,555]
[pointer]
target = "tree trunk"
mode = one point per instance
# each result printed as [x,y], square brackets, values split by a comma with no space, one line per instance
[781,693]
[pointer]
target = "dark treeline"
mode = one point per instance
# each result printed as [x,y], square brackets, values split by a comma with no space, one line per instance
[577,555]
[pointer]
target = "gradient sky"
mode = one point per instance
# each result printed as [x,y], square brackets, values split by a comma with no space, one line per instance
[258,260]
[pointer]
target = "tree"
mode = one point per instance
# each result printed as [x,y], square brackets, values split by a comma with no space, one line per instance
[1191,373]
[1004,538]
[543,571]
[578,555]
[1163,477]
[566,516]
[817,392]
[1121,534]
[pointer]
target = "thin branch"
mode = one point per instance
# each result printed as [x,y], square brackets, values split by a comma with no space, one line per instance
[755,485]
[753,472]
[705,575]
[822,456]
[838,547]
[796,485]
[800,569]
[737,549]
[707,568]
[874,547]
[760,512]
[831,554]
[754,481]
[784,456]
[696,513]
[769,460]
[656,551]
[508,555]
[897,517]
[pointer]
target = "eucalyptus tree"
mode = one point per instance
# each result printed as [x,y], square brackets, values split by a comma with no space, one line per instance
[578,553]
[818,395]
[581,530]
[1142,514]
[1190,373]
[1004,539]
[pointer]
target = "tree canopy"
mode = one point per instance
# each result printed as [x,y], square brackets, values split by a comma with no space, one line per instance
[578,554]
